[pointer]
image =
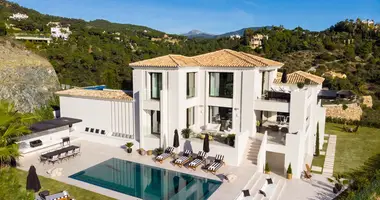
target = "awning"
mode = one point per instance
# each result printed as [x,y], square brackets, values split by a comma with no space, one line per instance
[54,123]
[327,94]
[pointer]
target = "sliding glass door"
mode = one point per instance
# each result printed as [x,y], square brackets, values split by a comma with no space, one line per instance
[222,116]
[155,85]
[221,84]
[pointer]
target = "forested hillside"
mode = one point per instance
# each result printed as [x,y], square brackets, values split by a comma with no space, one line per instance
[98,52]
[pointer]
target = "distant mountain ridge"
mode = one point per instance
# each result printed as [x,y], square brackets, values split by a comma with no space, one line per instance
[200,34]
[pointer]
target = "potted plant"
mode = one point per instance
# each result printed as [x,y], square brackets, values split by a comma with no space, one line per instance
[289,171]
[129,146]
[231,139]
[258,126]
[339,180]
[300,85]
[186,132]
[267,169]
[158,151]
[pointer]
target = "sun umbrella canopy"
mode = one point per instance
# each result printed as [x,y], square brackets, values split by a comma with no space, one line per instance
[32,181]
[176,139]
[206,144]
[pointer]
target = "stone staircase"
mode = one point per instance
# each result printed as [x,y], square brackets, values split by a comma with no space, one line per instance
[252,150]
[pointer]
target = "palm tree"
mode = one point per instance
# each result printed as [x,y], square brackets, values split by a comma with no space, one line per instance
[12,125]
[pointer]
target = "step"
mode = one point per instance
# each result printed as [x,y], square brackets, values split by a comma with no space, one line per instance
[279,187]
[253,180]
[255,189]
[258,196]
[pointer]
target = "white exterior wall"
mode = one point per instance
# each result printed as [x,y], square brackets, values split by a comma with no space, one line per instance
[109,115]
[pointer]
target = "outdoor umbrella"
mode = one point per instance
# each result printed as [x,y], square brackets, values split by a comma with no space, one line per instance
[32,181]
[176,139]
[206,145]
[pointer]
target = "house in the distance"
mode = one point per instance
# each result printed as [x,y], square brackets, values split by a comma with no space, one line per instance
[257,40]
[18,16]
[60,32]
[252,116]
[333,75]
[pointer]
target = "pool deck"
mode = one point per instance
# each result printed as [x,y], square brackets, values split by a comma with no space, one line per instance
[93,153]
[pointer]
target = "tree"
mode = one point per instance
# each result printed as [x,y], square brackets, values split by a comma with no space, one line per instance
[317,142]
[10,187]
[12,125]
[3,29]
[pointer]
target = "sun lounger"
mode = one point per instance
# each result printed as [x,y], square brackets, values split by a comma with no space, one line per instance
[197,161]
[167,153]
[185,158]
[218,162]
[268,188]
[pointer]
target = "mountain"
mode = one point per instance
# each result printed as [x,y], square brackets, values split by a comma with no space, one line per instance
[198,34]
[241,31]
[27,79]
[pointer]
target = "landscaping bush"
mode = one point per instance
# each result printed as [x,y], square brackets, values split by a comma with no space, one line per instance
[158,151]
[300,85]
[317,142]
[186,132]
[344,106]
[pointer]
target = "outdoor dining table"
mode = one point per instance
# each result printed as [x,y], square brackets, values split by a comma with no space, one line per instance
[59,151]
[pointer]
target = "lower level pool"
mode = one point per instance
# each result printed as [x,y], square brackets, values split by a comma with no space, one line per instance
[147,182]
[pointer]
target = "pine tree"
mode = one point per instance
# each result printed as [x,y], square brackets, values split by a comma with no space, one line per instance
[317,142]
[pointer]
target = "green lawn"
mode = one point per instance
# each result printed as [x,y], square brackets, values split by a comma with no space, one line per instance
[352,149]
[320,160]
[55,186]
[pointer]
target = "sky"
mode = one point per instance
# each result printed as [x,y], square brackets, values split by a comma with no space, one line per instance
[212,16]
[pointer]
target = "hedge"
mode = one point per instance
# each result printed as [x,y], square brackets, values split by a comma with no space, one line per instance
[363,122]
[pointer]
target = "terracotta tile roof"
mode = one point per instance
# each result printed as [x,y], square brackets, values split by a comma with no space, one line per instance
[97,94]
[301,76]
[221,58]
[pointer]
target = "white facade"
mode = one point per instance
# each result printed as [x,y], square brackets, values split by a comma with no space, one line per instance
[60,32]
[166,99]
[19,16]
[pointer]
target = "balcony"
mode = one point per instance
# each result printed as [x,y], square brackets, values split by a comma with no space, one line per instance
[276,132]
[273,101]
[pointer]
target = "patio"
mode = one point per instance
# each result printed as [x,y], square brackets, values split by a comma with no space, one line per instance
[276,132]
[93,153]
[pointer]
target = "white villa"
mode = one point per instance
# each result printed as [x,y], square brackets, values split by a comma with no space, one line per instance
[60,32]
[220,93]
[18,16]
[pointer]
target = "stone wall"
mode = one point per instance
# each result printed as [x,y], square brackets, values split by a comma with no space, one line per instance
[353,112]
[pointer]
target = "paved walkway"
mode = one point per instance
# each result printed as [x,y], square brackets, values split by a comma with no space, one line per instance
[328,167]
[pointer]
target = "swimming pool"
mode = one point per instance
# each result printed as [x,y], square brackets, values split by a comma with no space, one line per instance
[147,182]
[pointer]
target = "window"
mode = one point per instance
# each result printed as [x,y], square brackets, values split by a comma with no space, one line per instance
[86,129]
[103,132]
[190,117]
[155,119]
[190,82]
[91,130]
[221,84]
[222,116]
[97,131]
[155,85]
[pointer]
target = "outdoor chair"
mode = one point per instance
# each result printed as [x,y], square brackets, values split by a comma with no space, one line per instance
[43,159]
[76,151]
[185,158]
[167,153]
[218,162]
[54,159]
[70,153]
[198,160]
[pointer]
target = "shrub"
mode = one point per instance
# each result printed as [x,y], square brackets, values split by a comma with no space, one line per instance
[158,151]
[289,171]
[300,85]
[267,168]
[186,132]
[129,145]
[344,106]
[317,142]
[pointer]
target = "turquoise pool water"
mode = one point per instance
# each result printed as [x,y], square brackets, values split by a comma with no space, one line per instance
[147,182]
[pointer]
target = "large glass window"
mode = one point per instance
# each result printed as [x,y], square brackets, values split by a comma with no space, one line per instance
[190,116]
[190,82]
[222,116]
[155,85]
[221,84]
[155,122]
